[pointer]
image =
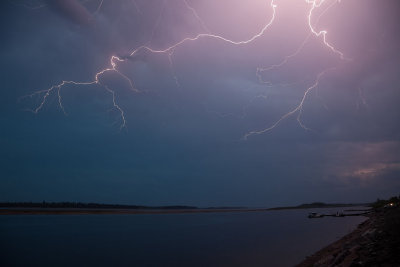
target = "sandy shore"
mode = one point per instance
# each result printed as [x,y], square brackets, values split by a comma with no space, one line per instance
[49,211]
[376,242]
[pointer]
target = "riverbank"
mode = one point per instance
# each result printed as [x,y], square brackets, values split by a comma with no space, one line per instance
[66,211]
[376,242]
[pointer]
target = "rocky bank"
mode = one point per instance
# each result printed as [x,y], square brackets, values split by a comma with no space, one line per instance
[376,242]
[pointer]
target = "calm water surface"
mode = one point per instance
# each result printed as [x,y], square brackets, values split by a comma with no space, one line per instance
[275,238]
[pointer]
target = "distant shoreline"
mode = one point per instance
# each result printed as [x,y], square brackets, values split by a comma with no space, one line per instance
[320,205]
[78,208]
[80,211]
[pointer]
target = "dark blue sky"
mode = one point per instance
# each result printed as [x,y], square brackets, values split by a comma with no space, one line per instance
[183,140]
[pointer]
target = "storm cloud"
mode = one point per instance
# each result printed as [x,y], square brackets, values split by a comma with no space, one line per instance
[183,140]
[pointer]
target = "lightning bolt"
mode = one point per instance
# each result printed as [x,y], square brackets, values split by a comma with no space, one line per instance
[97,81]
[116,106]
[169,51]
[298,109]
[98,7]
[209,35]
[287,58]
[196,15]
[314,5]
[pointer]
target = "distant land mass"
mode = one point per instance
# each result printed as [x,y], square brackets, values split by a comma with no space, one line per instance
[7,208]
[315,205]
[80,205]
[74,208]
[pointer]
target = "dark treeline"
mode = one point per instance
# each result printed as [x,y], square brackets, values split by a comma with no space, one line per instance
[80,205]
[320,205]
[381,203]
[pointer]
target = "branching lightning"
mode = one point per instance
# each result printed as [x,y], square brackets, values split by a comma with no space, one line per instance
[314,5]
[169,51]
[46,93]
[298,109]
[322,33]
[302,45]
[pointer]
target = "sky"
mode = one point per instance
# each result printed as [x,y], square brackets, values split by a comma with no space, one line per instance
[256,109]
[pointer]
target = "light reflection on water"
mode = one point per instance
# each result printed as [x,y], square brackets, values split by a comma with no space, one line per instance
[274,238]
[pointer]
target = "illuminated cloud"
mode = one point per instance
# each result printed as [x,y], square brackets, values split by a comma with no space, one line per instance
[154,101]
[366,163]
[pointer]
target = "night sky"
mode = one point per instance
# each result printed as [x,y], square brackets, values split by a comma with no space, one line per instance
[187,120]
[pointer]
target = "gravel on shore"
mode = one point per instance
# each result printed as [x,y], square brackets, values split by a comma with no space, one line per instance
[376,242]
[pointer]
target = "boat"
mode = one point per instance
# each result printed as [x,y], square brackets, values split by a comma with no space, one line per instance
[315,215]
